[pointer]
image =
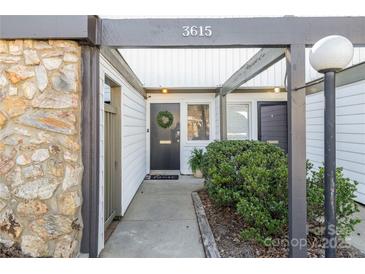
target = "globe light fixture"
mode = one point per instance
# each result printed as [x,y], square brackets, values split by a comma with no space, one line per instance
[329,55]
[164,90]
[277,90]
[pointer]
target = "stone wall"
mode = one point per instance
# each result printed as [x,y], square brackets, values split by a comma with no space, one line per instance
[40,157]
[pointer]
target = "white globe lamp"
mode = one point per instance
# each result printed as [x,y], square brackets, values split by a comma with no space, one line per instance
[329,55]
[332,53]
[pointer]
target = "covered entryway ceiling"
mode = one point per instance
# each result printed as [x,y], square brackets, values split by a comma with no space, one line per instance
[197,68]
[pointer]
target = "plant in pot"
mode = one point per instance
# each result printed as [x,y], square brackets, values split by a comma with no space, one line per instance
[196,161]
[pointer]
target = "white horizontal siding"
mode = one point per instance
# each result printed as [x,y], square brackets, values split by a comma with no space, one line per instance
[350,132]
[133,143]
[133,146]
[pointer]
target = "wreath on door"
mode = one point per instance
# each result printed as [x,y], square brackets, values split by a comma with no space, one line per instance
[165,119]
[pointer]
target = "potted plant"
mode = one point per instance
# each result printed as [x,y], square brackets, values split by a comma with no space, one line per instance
[195,162]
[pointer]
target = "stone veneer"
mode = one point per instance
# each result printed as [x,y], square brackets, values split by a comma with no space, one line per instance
[40,157]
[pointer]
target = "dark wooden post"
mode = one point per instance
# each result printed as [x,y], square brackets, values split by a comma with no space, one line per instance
[90,149]
[295,57]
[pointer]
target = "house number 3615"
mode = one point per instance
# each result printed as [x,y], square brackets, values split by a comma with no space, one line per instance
[197,31]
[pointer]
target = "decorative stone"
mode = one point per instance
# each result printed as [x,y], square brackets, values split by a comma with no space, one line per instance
[54,149]
[4,192]
[28,44]
[52,99]
[16,47]
[70,156]
[69,202]
[19,72]
[32,172]
[6,162]
[10,225]
[32,208]
[2,120]
[71,58]
[6,242]
[3,81]
[31,57]
[14,105]
[51,226]
[66,45]
[23,160]
[66,247]
[52,63]
[3,46]
[56,168]
[8,59]
[51,53]
[64,82]
[69,143]
[40,137]
[53,121]
[14,177]
[13,91]
[41,45]
[73,177]
[40,155]
[29,89]
[42,78]
[34,246]
[38,189]
[2,205]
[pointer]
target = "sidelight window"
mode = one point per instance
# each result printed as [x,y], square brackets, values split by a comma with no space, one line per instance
[238,121]
[198,122]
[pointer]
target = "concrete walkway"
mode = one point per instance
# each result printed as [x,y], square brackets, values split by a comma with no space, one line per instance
[160,222]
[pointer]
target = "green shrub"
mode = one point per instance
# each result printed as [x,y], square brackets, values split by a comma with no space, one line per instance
[196,159]
[252,177]
[345,204]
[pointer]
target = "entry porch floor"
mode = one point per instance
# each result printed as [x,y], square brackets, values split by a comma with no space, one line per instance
[160,222]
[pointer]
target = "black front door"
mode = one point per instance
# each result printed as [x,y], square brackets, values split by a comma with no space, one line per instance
[165,141]
[273,123]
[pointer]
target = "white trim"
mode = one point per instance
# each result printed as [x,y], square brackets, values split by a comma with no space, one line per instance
[253,99]
[183,99]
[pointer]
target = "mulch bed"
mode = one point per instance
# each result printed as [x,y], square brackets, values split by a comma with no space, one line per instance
[226,225]
[11,252]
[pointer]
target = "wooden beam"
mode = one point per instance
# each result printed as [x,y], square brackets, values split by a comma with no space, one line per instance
[229,32]
[262,60]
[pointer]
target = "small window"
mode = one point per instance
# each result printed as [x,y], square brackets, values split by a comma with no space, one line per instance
[107,94]
[238,122]
[198,122]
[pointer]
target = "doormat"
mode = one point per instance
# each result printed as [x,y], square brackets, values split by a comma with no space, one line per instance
[162,177]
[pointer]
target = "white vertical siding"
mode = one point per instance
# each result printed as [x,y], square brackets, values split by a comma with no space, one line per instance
[350,123]
[208,67]
[196,67]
